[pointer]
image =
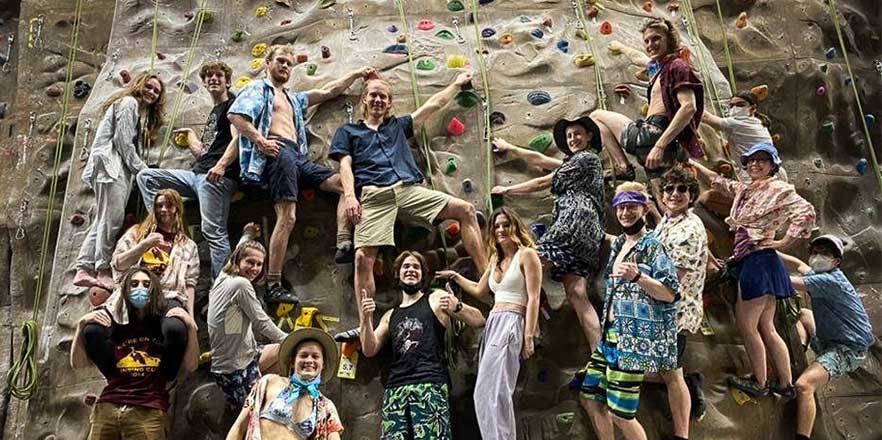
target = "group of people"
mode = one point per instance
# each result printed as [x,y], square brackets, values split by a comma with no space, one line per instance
[145,332]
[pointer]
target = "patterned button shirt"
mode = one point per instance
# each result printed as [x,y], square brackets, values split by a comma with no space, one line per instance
[685,240]
[256,102]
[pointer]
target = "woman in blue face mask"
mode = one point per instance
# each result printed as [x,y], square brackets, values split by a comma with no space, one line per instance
[290,406]
[137,359]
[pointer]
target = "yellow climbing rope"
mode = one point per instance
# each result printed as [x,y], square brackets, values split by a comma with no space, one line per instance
[485,102]
[726,51]
[22,377]
[834,15]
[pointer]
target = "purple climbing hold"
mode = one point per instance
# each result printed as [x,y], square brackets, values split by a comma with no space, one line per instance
[487,32]
[563,45]
[862,166]
[484,2]
[326,52]
[468,186]
[848,80]
[392,28]
[537,33]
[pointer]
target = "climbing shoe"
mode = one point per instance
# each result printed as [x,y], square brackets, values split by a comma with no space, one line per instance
[748,385]
[278,294]
[345,253]
[351,335]
[694,382]
[786,394]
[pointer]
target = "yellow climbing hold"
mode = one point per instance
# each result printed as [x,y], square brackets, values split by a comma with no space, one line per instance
[644,109]
[181,140]
[261,12]
[584,60]
[456,61]
[256,63]
[259,49]
[242,82]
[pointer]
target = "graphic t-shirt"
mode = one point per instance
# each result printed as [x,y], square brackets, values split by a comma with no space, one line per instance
[137,351]
[157,258]
[216,137]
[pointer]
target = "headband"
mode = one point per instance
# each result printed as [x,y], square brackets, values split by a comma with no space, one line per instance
[629,197]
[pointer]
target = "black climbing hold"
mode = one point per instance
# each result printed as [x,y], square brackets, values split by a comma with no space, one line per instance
[487,32]
[524,19]
[4,107]
[326,52]
[497,118]
[870,120]
[484,2]
[537,33]
[538,229]
[862,166]
[538,97]
[496,200]
[831,52]
[399,49]
[81,89]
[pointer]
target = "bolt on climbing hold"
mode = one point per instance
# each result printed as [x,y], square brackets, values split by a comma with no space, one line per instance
[776,138]
[847,80]
[3,108]
[392,28]
[540,142]
[455,61]
[77,220]
[54,91]
[311,232]
[592,13]
[673,7]
[311,69]
[301,58]
[425,64]
[606,28]
[325,4]
[256,63]
[538,229]
[623,91]
[566,418]
[455,127]
[453,229]
[398,49]
[496,200]
[307,194]
[862,166]
[828,127]
[741,21]
[830,53]
[487,32]
[537,33]
[444,34]
[497,118]
[242,82]
[761,92]
[261,11]
[326,52]
[239,36]
[468,186]
[582,35]
[870,120]
[584,60]
[35,32]
[450,166]
[401,39]
[563,46]
[821,91]
[506,38]
[647,7]
[425,25]
[181,140]
[538,97]
[259,49]
[97,297]
[455,5]
[467,99]
[822,67]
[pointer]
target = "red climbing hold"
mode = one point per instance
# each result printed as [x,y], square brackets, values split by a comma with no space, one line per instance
[308,194]
[455,127]
[593,12]
[606,28]
[426,25]
[98,296]
[77,220]
[453,229]
[302,58]
[125,76]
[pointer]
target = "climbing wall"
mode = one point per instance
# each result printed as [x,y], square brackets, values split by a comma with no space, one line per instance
[540,67]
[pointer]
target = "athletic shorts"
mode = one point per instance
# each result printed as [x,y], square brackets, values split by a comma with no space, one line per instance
[837,359]
[290,169]
[416,412]
[640,136]
[763,273]
[606,383]
[237,384]
[380,207]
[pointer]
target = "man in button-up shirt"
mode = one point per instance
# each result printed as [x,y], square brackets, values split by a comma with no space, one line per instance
[380,179]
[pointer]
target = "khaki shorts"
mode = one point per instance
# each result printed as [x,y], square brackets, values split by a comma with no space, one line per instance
[381,205]
[112,422]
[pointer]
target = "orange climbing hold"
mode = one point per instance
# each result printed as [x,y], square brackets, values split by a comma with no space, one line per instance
[761,92]
[453,229]
[647,7]
[506,38]
[302,58]
[741,21]
[606,28]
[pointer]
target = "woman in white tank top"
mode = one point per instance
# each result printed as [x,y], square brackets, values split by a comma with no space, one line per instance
[514,277]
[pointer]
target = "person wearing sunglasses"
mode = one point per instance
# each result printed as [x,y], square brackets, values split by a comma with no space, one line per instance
[761,207]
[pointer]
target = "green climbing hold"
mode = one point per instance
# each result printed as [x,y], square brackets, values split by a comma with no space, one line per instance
[541,142]
[454,5]
[467,99]
[425,64]
[444,34]
[828,127]
[497,200]
[565,418]
[325,4]
[311,68]
[451,166]
[238,36]
[311,232]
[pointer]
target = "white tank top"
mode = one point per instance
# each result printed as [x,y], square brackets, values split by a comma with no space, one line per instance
[513,287]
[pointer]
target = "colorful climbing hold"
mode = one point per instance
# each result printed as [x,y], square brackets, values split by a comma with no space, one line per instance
[538,229]
[285,22]
[582,35]
[862,166]
[54,91]
[311,232]
[822,67]
[647,7]
[741,21]
[455,127]
[307,194]
[487,32]
[401,39]
[644,109]
[821,90]
[311,68]
[259,49]
[497,118]
[467,99]
[125,76]
[847,80]
[566,418]
[426,25]
[325,4]
[468,186]
[261,11]
[392,28]
[538,97]
[181,140]
[673,7]
[541,142]
[506,38]
[828,127]
[77,220]
[524,19]
[623,91]
[444,34]
[563,46]
[496,201]
[425,64]
[301,58]
[256,63]
[547,22]
[537,33]
[870,120]
[455,61]
[761,92]
[238,36]
[450,166]
[830,53]
[584,60]
[242,82]
[398,49]
[592,13]
[776,138]
[97,297]
[326,52]
[454,5]
[484,2]
[606,28]
[453,229]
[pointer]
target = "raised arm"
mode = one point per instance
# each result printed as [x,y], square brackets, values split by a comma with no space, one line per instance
[530,186]
[705,174]
[334,88]
[681,119]
[128,253]
[635,56]
[479,290]
[456,309]
[532,158]
[440,99]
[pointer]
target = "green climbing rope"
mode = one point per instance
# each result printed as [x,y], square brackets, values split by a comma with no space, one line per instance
[834,15]
[598,63]
[485,102]
[22,377]
[726,51]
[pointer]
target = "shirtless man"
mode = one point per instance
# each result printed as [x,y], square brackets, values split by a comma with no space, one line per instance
[676,103]
[273,149]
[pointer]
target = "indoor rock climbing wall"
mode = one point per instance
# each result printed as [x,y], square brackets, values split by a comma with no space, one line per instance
[538,71]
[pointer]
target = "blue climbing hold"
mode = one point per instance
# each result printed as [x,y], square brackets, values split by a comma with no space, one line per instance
[831,52]
[870,120]
[524,19]
[392,28]
[484,2]
[537,33]
[563,45]
[399,49]
[862,166]
[538,97]
[468,186]
[487,32]
[538,229]
[848,80]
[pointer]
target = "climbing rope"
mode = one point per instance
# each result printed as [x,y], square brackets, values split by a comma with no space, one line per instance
[485,102]
[598,63]
[726,51]
[179,97]
[155,37]
[22,376]
[834,15]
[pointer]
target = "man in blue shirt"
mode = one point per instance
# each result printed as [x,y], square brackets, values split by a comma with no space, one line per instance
[843,333]
[380,179]
[273,149]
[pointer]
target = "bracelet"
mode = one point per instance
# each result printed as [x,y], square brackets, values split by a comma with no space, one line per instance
[637,278]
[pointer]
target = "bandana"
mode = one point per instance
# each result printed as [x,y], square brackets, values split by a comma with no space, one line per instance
[629,197]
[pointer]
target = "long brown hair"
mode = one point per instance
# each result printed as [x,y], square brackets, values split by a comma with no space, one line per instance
[149,224]
[424,267]
[517,230]
[136,90]
[156,303]
[232,266]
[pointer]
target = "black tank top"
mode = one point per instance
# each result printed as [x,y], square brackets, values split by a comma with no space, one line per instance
[418,349]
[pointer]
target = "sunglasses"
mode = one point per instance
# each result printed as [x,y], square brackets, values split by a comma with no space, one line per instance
[681,188]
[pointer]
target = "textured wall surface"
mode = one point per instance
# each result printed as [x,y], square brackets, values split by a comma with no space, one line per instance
[784,45]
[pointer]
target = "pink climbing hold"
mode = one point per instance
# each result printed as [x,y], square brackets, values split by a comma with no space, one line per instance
[592,13]
[455,127]
[647,7]
[821,91]
[426,25]
[606,28]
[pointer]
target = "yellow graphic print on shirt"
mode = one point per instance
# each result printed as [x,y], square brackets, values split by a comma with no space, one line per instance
[137,363]
[156,260]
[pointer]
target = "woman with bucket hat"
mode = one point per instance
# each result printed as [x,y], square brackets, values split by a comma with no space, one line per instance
[290,406]
[571,244]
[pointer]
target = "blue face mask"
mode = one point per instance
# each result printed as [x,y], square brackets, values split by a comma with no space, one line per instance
[138,297]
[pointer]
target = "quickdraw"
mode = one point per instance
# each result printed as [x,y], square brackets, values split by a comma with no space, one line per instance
[459,37]
[352,35]
[114,58]
[35,32]
[6,68]
[22,216]
[86,148]
[348,108]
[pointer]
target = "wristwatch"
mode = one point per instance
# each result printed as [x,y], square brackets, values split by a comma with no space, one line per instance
[458,307]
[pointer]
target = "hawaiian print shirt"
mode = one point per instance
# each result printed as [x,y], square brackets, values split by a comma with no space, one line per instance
[256,102]
[647,328]
[685,240]
[761,208]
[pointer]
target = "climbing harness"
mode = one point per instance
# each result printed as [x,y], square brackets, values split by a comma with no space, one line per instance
[22,377]
[834,15]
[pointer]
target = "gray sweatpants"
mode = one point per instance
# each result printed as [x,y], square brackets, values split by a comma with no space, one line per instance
[110,209]
[498,370]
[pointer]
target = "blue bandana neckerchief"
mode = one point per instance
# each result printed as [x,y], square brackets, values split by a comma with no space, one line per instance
[653,68]
[297,385]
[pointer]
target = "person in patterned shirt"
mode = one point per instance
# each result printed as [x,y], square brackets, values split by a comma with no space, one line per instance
[639,332]
[683,235]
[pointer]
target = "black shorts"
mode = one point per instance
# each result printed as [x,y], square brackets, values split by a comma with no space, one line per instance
[286,172]
[640,136]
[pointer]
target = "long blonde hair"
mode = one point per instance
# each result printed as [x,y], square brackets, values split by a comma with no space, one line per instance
[149,224]
[136,90]
[518,232]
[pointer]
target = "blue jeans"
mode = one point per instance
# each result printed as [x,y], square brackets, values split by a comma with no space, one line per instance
[214,204]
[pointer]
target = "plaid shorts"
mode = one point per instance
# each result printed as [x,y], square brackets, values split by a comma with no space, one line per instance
[237,384]
[606,383]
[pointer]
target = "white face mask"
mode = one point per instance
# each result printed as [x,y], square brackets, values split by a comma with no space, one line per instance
[736,112]
[821,263]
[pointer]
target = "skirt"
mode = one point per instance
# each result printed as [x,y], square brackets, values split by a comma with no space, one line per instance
[763,273]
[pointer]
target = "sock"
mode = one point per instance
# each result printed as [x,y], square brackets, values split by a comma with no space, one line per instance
[802,437]
[344,238]
[273,278]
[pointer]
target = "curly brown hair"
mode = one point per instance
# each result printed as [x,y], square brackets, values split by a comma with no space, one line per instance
[210,67]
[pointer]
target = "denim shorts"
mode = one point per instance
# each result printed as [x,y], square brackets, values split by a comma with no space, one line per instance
[289,170]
